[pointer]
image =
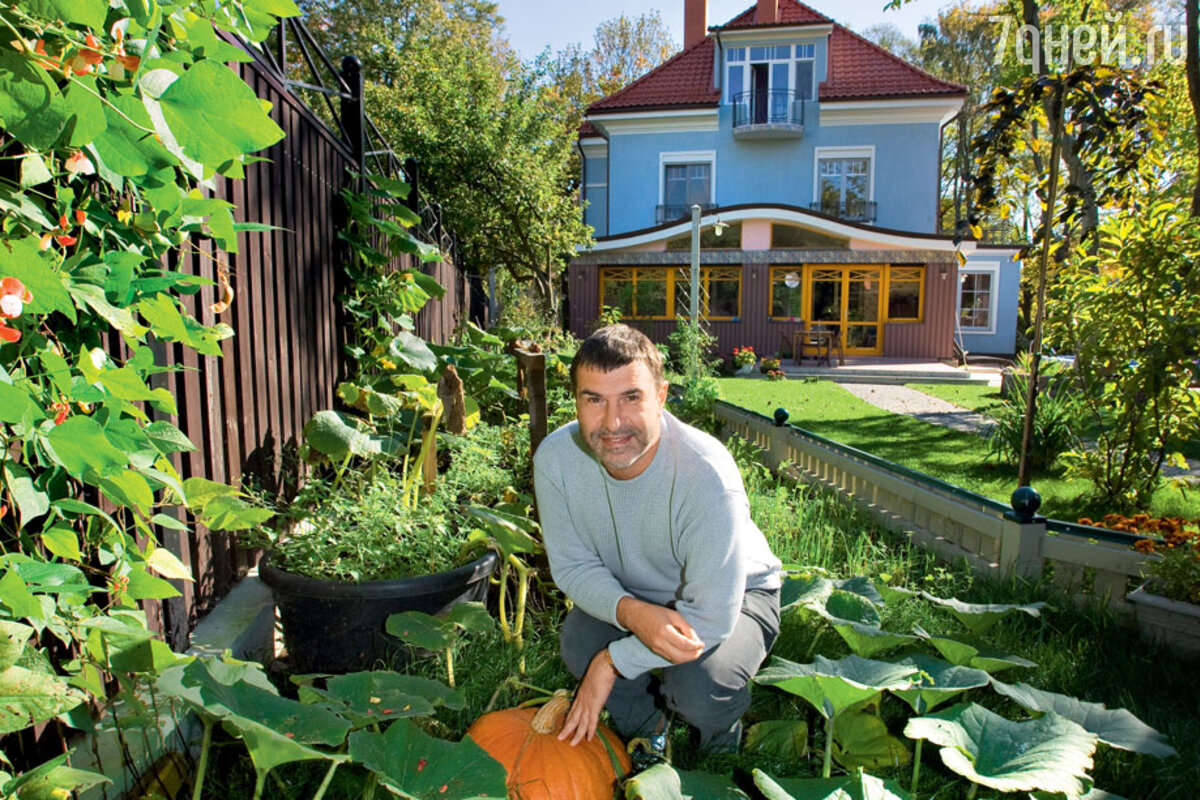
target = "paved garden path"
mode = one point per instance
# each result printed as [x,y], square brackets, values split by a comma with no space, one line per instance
[903,400]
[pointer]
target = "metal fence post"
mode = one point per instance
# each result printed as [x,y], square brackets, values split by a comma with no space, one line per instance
[354,115]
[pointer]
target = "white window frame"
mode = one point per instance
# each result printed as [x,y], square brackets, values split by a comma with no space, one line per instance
[688,157]
[863,151]
[991,268]
[796,60]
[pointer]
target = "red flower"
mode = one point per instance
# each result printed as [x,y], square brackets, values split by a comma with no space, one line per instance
[61,410]
[13,297]
[80,216]
[66,241]
[62,222]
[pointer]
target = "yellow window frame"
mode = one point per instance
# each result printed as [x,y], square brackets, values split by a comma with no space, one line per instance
[721,275]
[633,275]
[906,274]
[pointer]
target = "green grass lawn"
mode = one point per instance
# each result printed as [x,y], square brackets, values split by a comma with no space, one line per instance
[962,459]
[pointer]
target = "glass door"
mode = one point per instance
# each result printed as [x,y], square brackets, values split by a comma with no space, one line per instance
[846,300]
[862,311]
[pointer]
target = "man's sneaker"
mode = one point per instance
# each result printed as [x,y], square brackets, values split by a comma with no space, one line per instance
[647,751]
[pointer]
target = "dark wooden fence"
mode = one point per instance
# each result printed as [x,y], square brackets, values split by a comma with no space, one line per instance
[245,411]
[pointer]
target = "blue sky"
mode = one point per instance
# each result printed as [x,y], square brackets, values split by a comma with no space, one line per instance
[534,24]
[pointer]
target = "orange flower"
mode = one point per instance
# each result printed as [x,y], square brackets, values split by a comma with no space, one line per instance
[62,222]
[8,334]
[80,216]
[1144,546]
[66,241]
[61,410]
[130,63]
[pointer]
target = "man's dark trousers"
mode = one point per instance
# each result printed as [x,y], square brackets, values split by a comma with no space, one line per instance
[711,692]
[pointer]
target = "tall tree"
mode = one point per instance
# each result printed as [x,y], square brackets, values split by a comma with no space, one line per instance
[623,49]
[493,143]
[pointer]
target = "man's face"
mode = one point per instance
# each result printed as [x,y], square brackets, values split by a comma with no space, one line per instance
[619,416]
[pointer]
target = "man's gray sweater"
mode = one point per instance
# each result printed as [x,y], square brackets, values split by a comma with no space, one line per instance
[678,534]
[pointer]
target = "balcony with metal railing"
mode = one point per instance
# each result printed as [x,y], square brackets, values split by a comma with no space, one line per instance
[850,210]
[675,212]
[768,114]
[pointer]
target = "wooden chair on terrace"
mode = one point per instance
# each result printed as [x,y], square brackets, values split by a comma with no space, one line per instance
[820,342]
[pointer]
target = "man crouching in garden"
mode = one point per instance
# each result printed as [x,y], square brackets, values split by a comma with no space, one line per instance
[648,531]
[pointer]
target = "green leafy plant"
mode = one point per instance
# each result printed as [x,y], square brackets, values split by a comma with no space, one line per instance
[440,633]
[1057,418]
[361,718]
[116,121]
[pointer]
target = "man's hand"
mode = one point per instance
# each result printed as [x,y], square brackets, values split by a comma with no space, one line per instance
[662,629]
[590,698]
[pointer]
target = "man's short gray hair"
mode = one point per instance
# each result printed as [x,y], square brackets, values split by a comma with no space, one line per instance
[616,346]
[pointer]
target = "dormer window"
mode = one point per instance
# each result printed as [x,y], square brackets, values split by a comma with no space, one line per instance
[778,70]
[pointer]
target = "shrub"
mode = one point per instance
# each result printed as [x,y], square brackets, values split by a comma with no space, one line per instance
[1056,418]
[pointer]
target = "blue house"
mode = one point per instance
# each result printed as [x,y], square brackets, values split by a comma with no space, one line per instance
[814,156]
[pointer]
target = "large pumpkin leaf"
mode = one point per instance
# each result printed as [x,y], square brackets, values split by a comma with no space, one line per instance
[968,655]
[664,782]
[235,694]
[31,106]
[808,589]
[415,765]
[214,116]
[856,787]
[981,616]
[381,695]
[52,780]
[1046,754]
[862,741]
[838,684]
[337,435]
[1116,727]
[510,533]
[28,697]
[438,633]
[866,640]
[938,682]
[413,351]
[780,738]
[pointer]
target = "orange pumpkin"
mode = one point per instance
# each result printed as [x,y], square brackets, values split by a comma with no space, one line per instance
[540,767]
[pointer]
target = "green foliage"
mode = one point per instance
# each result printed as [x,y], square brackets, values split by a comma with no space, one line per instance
[117,121]
[1131,315]
[370,534]
[1057,417]
[326,725]
[691,357]
[443,70]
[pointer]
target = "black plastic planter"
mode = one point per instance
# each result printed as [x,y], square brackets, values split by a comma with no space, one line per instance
[336,627]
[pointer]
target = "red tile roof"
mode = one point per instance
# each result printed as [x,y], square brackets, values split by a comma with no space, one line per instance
[858,69]
[682,81]
[790,13]
[862,69]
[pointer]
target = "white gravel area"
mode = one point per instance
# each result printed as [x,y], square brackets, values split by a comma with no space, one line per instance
[903,400]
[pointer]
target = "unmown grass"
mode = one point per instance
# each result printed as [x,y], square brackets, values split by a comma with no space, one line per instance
[962,459]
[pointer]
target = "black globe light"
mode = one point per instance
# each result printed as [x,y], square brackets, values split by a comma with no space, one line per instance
[781,417]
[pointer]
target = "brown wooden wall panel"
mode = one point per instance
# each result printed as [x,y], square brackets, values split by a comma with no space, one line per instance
[245,410]
[933,338]
[930,339]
